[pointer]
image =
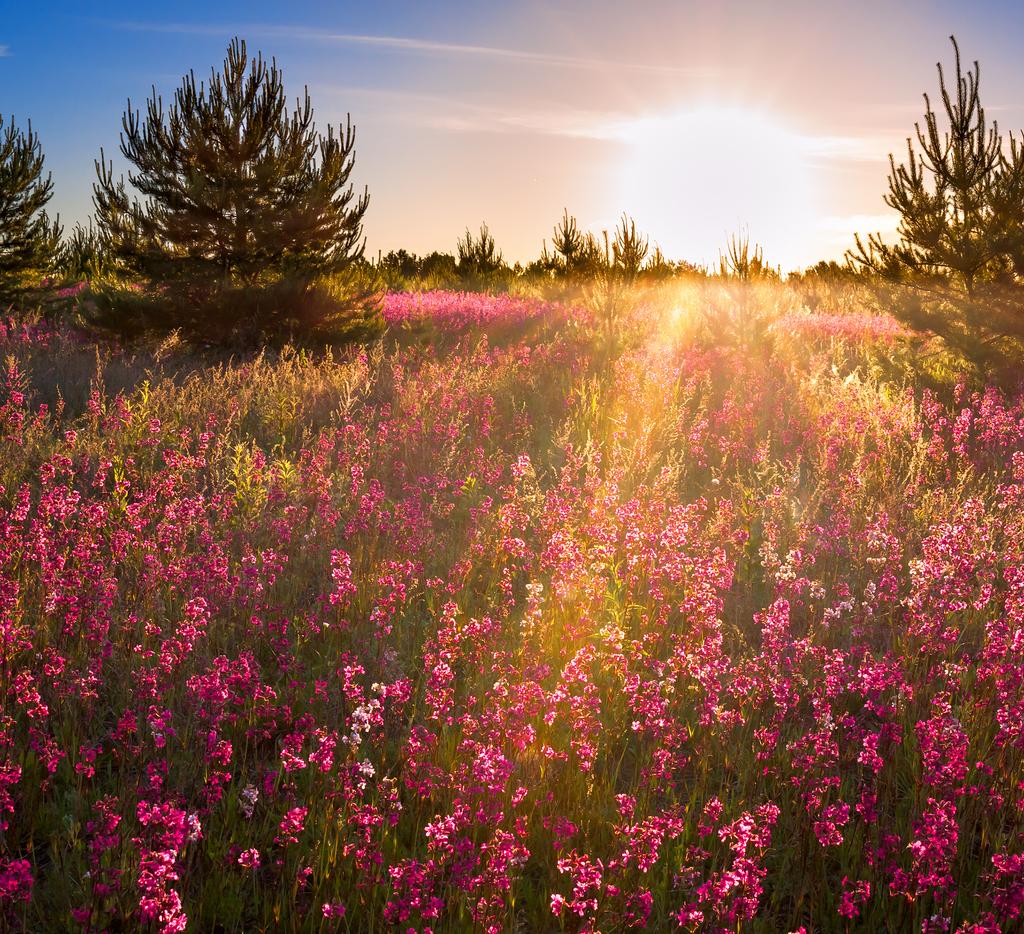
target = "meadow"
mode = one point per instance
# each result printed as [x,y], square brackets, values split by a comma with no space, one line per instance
[495,625]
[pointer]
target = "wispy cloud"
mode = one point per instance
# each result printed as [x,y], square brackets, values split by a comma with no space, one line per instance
[433,111]
[5,50]
[436,111]
[412,45]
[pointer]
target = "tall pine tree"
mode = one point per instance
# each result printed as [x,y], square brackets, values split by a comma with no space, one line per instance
[959,259]
[28,239]
[238,208]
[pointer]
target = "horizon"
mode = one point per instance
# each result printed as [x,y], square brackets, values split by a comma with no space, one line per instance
[696,120]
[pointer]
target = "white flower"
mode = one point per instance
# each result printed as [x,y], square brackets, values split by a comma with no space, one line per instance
[249,797]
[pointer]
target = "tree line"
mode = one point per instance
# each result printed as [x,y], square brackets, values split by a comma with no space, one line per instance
[573,259]
[238,220]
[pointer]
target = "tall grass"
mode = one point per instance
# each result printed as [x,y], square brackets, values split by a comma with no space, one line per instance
[488,627]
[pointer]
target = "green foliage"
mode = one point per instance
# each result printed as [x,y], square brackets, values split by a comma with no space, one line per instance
[82,256]
[404,271]
[825,284]
[28,238]
[574,268]
[331,309]
[742,261]
[568,242]
[610,297]
[657,267]
[439,270]
[578,255]
[629,250]
[244,206]
[398,266]
[735,311]
[956,268]
[615,274]
[480,263]
[825,271]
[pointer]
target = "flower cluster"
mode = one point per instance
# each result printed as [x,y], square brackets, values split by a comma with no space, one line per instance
[509,634]
[457,311]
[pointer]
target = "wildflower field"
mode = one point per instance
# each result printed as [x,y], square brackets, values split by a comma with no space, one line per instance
[487,627]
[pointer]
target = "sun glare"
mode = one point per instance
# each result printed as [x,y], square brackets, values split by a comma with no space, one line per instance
[692,178]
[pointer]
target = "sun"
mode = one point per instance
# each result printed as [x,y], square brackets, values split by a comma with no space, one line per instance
[692,178]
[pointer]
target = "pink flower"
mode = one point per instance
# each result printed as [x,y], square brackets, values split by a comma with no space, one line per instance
[291,826]
[249,859]
[16,880]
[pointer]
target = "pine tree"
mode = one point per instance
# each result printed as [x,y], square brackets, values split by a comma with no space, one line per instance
[657,266]
[568,244]
[239,206]
[578,255]
[593,258]
[28,239]
[629,249]
[479,260]
[960,253]
[743,261]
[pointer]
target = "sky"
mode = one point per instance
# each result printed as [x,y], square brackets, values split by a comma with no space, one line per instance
[700,119]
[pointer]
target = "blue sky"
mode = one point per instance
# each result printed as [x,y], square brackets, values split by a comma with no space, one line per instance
[699,117]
